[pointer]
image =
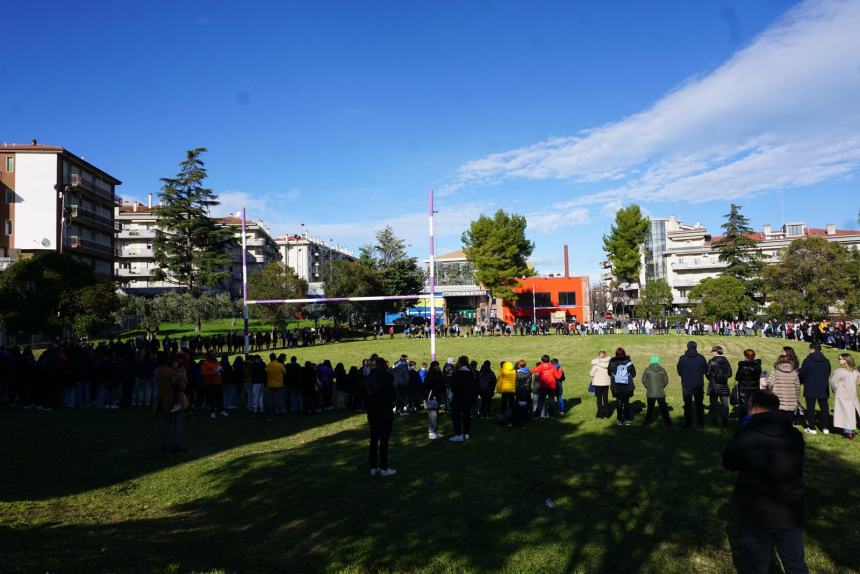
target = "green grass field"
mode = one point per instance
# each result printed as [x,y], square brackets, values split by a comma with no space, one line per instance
[87,491]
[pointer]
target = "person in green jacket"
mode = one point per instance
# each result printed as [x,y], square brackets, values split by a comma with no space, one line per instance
[655,378]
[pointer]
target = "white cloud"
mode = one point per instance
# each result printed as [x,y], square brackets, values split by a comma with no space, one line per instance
[780,113]
[552,219]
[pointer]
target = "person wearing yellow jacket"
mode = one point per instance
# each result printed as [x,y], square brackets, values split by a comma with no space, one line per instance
[506,385]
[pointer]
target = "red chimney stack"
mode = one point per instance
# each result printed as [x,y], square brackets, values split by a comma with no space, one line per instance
[566,263]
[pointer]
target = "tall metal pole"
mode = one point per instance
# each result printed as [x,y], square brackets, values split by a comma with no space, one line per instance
[245,282]
[534,305]
[432,282]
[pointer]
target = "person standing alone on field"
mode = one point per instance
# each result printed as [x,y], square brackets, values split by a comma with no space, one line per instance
[692,368]
[768,454]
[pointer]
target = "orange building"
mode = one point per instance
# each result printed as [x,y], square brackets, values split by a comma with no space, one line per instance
[548,298]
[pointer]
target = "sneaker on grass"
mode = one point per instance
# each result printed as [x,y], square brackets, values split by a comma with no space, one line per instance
[387,472]
[457,438]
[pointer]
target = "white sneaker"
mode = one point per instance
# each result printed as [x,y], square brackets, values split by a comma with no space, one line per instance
[211,415]
[433,435]
[374,471]
[457,438]
[465,437]
[810,431]
[223,413]
[825,431]
[387,472]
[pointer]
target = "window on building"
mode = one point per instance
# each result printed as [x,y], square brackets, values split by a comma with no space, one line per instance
[10,163]
[539,299]
[567,298]
[10,196]
[8,227]
[794,230]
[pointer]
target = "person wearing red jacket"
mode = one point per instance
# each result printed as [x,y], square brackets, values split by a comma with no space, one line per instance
[547,376]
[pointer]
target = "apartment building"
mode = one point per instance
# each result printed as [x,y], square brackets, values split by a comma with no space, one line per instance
[54,200]
[137,225]
[683,255]
[311,257]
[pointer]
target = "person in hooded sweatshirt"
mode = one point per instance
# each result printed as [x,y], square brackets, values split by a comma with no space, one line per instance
[599,376]
[768,455]
[747,375]
[621,373]
[507,387]
[380,400]
[655,378]
[719,372]
[692,368]
[814,376]
[464,391]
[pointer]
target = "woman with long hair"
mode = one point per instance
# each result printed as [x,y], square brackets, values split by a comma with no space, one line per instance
[784,382]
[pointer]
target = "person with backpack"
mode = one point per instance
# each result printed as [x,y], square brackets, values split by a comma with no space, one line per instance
[621,374]
[692,368]
[655,378]
[559,388]
[719,372]
[748,377]
[434,385]
[487,385]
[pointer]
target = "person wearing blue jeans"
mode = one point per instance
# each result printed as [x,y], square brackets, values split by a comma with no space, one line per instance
[559,387]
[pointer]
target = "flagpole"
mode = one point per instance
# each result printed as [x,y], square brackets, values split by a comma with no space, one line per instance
[432,282]
[245,282]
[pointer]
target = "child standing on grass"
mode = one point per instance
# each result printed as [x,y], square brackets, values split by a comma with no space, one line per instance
[655,378]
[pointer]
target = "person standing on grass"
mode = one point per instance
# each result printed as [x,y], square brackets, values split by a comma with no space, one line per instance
[507,387]
[692,368]
[463,393]
[293,382]
[747,376]
[169,384]
[210,377]
[275,374]
[621,373]
[547,378]
[768,455]
[434,384]
[256,401]
[400,372]
[844,384]
[380,416]
[559,389]
[719,372]
[785,384]
[814,376]
[487,384]
[655,378]
[600,381]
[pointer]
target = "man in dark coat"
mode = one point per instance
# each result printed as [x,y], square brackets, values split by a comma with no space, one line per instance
[692,367]
[719,372]
[380,405]
[814,376]
[768,454]
[464,391]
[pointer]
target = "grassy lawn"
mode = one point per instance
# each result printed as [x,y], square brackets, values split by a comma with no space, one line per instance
[87,491]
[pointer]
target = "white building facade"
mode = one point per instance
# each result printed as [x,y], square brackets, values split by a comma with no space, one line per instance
[311,258]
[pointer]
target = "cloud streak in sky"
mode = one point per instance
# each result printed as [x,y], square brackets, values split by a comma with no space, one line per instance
[781,112]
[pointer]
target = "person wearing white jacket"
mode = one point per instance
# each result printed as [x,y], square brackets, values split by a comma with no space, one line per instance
[844,384]
[599,376]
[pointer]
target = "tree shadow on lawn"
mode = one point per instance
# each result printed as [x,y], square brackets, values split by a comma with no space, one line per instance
[624,500]
[70,451]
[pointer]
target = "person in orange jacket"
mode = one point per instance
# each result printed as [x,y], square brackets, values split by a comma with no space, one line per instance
[547,376]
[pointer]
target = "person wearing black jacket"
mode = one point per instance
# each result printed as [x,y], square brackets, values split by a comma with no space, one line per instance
[747,376]
[621,374]
[814,376]
[464,390]
[768,454]
[719,372]
[380,415]
[692,368]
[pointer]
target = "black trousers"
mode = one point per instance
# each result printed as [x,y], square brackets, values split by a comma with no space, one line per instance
[602,396]
[757,544]
[664,410]
[486,403]
[693,402]
[380,432]
[214,398]
[508,401]
[622,411]
[461,417]
[823,413]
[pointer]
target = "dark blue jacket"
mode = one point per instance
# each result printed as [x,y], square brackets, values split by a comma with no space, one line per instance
[815,376]
[692,367]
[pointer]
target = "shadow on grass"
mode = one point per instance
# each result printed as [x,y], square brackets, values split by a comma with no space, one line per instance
[547,498]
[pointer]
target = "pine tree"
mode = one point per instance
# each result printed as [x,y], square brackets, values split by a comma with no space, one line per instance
[498,249]
[740,251]
[394,272]
[190,248]
[624,243]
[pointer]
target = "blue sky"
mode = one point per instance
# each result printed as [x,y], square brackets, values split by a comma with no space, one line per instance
[340,115]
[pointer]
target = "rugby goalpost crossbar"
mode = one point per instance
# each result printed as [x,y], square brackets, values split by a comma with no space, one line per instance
[313,301]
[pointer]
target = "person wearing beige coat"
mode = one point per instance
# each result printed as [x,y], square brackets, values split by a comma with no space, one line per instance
[784,382]
[844,384]
[600,380]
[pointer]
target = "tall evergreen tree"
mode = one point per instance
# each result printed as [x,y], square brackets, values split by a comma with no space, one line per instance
[498,249]
[624,243]
[739,251]
[190,248]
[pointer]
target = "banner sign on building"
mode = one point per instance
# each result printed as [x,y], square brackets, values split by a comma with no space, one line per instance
[559,317]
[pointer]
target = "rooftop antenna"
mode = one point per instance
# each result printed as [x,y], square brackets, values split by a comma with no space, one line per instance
[782,206]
